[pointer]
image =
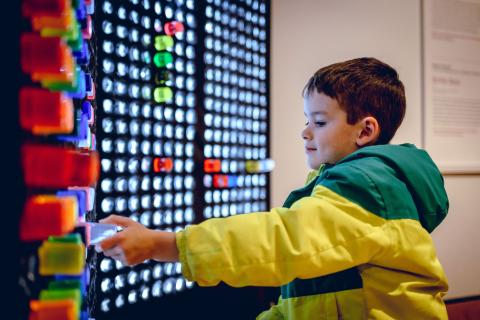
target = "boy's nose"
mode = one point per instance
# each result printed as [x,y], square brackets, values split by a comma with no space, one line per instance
[306,135]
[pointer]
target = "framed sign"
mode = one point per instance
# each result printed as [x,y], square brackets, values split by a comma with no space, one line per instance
[451,80]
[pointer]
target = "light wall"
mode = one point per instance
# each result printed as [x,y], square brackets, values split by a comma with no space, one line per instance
[309,34]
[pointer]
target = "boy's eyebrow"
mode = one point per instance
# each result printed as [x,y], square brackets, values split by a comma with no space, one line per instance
[316,112]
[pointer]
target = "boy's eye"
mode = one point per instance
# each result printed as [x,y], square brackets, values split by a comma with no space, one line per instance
[320,123]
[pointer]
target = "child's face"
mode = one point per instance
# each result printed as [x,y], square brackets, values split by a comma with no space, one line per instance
[327,135]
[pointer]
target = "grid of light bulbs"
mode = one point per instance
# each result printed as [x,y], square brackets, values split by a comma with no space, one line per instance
[236,103]
[134,130]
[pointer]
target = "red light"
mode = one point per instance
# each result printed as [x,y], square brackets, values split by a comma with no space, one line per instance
[162,165]
[173,27]
[212,165]
[220,181]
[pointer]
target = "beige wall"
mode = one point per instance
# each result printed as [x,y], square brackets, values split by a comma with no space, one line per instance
[309,34]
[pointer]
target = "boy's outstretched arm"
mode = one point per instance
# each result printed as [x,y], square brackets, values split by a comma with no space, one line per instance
[136,243]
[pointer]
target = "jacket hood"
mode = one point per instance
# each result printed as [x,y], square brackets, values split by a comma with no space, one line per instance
[422,177]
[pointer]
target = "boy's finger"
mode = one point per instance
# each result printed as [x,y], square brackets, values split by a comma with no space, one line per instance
[113,252]
[118,220]
[109,242]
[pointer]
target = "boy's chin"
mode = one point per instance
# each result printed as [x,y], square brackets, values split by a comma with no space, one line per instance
[313,165]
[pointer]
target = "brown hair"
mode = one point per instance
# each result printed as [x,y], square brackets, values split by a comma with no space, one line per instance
[363,87]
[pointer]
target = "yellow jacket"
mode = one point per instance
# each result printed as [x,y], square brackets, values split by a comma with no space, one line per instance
[353,243]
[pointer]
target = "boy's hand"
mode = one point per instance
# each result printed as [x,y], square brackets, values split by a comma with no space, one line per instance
[136,243]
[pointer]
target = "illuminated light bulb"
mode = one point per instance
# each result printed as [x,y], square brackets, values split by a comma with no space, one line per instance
[119,265]
[119,88]
[158,112]
[179,115]
[190,67]
[107,205]
[208,196]
[107,85]
[132,278]
[146,92]
[120,204]
[157,201]
[146,4]
[134,90]
[179,284]
[179,65]
[133,203]
[146,23]
[157,220]
[120,301]
[157,289]
[169,286]
[178,216]
[146,129]
[105,305]
[207,212]
[107,7]
[146,165]
[225,195]
[106,164]
[132,165]
[134,17]
[145,217]
[106,265]
[146,39]
[167,215]
[122,31]
[178,200]
[162,94]
[108,66]
[157,145]
[216,211]
[107,27]
[162,165]
[134,35]
[145,186]
[119,281]
[189,165]
[132,296]
[120,184]
[157,271]
[133,184]
[168,148]
[157,183]
[163,42]
[233,210]
[188,199]
[144,292]
[191,100]
[122,13]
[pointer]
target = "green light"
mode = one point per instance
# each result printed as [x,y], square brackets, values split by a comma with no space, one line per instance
[162,94]
[162,59]
[163,42]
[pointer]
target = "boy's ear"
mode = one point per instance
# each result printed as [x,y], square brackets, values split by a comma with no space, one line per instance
[369,130]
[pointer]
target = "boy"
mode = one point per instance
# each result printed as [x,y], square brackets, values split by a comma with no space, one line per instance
[354,242]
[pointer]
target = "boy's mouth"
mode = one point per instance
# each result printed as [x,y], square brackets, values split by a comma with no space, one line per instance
[310,149]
